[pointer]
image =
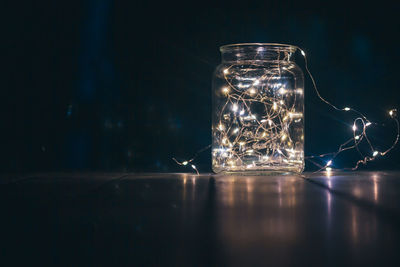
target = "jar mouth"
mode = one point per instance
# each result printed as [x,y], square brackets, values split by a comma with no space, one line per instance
[261,46]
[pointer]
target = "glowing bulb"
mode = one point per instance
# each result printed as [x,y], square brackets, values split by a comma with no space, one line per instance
[193,166]
[283,137]
[368,124]
[225,90]
[329,163]
[226,71]
[346,109]
[221,127]
[295,115]
[235,107]
[274,106]
[328,169]
[252,91]
[375,153]
[357,137]
[299,91]
[282,91]
[256,82]
[354,127]
[392,113]
[302,52]
[236,130]
[184,163]
[241,112]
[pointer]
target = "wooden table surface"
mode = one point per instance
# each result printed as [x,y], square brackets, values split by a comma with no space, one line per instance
[97,219]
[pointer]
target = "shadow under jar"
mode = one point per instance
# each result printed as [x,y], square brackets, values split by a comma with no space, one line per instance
[258,110]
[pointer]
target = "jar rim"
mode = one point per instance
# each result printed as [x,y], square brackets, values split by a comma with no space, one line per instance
[291,48]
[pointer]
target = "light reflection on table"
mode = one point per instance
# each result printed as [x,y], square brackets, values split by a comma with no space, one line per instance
[184,219]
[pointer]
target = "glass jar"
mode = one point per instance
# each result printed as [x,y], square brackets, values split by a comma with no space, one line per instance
[258,110]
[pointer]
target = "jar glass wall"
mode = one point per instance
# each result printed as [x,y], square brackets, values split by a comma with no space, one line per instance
[258,110]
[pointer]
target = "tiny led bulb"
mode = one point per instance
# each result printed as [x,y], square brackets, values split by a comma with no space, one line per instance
[274,106]
[193,166]
[226,71]
[252,91]
[256,82]
[302,52]
[346,109]
[368,124]
[225,89]
[357,137]
[354,127]
[235,107]
[329,163]
[184,163]
[299,91]
[375,153]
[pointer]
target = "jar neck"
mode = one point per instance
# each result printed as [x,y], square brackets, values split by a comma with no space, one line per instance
[257,52]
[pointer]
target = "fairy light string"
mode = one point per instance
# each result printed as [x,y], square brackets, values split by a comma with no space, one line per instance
[273,127]
[186,162]
[354,142]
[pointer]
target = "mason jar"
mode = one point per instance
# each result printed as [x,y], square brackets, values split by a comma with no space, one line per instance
[258,110]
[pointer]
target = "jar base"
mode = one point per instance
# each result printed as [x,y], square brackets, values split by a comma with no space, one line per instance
[260,172]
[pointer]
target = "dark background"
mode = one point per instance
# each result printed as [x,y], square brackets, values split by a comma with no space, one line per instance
[125,86]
